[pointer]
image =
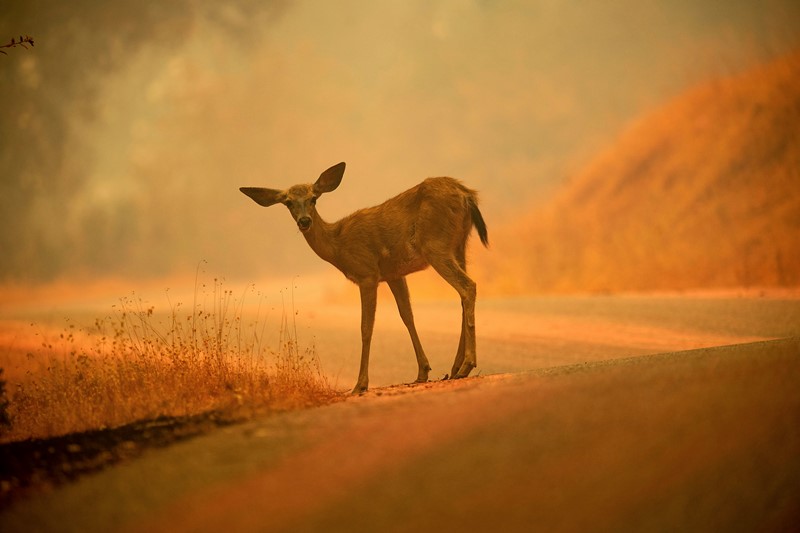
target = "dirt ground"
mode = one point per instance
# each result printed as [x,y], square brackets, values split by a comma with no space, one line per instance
[700,440]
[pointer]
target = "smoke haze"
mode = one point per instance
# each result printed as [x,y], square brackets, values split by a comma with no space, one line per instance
[128,129]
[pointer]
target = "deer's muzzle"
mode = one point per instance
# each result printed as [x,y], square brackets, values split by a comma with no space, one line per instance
[304,223]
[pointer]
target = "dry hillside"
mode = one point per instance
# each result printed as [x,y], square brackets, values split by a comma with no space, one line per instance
[702,193]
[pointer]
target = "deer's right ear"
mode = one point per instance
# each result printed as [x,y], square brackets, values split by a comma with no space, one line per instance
[265,197]
[330,179]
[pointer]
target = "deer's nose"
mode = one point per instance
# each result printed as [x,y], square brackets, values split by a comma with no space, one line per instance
[304,223]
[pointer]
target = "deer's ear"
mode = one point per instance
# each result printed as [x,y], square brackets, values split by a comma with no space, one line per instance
[265,197]
[330,179]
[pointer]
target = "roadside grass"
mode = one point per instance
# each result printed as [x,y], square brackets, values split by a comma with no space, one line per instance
[137,364]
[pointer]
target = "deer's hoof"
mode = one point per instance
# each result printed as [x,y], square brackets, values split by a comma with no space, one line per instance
[359,389]
[464,371]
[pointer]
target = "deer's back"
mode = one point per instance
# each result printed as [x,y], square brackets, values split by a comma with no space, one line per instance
[429,203]
[394,238]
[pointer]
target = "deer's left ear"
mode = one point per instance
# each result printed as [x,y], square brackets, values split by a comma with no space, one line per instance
[265,197]
[330,179]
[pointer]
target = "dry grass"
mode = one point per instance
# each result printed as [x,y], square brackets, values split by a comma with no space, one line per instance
[138,363]
[700,193]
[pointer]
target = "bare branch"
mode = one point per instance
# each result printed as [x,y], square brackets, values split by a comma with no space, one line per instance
[22,41]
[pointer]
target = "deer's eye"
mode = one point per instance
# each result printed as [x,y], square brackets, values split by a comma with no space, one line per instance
[287,203]
[313,200]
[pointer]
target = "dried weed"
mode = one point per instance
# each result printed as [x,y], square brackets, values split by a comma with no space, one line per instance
[138,364]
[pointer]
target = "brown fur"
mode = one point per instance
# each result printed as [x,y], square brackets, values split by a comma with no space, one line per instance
[427,225]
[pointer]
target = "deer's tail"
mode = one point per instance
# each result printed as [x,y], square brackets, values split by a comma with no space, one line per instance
[477,220]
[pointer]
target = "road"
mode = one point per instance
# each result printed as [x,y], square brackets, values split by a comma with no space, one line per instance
[705,439]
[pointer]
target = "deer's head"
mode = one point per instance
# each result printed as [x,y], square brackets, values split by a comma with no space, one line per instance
[300,199]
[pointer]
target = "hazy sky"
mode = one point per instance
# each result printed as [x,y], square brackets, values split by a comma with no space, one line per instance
[128,129]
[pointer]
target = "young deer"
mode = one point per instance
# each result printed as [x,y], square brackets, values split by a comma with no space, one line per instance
[427,225]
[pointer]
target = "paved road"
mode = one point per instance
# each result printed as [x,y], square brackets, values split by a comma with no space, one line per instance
[701,440]
[591,439]
[521,334]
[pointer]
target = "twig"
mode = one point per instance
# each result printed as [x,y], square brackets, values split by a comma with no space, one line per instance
[22,41]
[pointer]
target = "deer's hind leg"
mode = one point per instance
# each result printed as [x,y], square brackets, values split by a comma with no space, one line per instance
[452,270]
[399,289]
[459,360]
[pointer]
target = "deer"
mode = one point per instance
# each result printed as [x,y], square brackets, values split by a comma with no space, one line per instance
[427,225]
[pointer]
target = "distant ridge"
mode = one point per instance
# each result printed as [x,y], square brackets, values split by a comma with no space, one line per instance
[702,193]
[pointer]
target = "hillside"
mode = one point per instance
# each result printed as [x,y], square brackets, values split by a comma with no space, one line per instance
[701,193]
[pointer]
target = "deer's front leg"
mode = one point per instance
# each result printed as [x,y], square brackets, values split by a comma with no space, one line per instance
[369,298]
[400,290]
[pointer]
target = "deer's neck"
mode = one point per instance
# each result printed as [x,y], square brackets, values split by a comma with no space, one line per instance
[320,239]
